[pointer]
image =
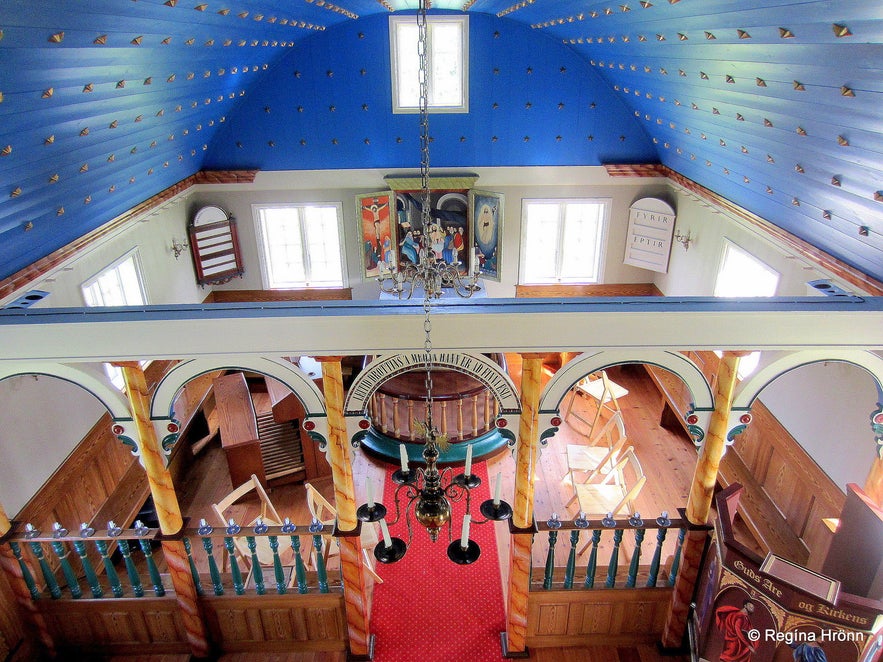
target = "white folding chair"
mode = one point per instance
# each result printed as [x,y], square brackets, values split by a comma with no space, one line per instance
[599,455]
[603,391]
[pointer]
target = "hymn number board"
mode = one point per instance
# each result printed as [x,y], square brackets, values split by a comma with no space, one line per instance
[215,246]
[648,243]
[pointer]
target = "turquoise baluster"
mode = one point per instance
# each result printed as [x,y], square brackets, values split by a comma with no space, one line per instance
[256,572]
[550,560]
[321,573]
[37,549]
[300,572]
[91,577]
[205,530]
[196,582]
[635,520]
[61,552]
[675,564]
[232,529]
[664,522]
[570,571]
[592,567]
[25,571]
[113,578]
[158,589]
[115,531]
[614,560]
[278,572]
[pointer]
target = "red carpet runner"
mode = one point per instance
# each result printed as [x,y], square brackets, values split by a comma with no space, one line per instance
[429,609]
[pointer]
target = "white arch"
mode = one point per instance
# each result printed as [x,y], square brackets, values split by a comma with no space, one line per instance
[280,369]
[750,389]
[97,384]
[477,366]
[589,362]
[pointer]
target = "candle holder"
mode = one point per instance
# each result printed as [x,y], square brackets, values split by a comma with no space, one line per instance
[471,481]
[462,556]
[373,513]
[394,552]
[400,477]
[498,512]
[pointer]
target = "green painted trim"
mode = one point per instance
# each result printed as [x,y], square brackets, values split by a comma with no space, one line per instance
[388,448]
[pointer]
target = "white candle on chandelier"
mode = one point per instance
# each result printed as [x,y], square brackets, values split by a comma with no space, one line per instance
[387,541]
[464,534]
[468,469]
[403,454]
[369,487]
[498,488]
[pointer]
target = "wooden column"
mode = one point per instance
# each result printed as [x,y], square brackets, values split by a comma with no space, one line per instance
[10,566]
[700,500]
[168,510]
[355,587]
[522,510]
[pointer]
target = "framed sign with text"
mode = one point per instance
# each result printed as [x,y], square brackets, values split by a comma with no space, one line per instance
[648,242]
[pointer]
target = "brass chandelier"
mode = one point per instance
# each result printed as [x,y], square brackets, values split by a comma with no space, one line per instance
[425,493]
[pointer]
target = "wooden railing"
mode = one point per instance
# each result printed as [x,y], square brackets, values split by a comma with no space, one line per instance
[611,596]
[467,416]
[613,543]
[245,605]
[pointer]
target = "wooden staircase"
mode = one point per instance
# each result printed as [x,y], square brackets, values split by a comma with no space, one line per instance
[281,449]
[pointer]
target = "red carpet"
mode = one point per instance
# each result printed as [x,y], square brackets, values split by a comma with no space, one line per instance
[429,609]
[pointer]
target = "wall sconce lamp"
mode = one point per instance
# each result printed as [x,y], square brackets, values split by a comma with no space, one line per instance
[684,239]
[178,248]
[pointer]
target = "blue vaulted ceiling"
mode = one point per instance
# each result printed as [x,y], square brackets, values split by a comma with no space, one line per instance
[773,104]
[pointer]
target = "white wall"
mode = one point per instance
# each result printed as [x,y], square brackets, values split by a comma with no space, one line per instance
[513,183]
[34,441]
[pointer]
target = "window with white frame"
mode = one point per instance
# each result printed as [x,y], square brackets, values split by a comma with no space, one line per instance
[561,240]
[447,58]
[118,284]
[742,275]
[300,245]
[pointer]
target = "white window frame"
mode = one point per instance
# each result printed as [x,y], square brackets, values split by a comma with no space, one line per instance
[114,373]
[731,246]
[747,364]
[263,255]
[600,241]
[135,258]
[410,20]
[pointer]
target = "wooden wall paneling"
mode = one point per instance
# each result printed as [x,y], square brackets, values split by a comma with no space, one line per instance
[307,294]
[597,290]
[123,626]
[312,622]
[609,616]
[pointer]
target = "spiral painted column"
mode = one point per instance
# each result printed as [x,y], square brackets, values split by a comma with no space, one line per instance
[700,499]
[526,457]
[355,586]
[168,510]
[19,587]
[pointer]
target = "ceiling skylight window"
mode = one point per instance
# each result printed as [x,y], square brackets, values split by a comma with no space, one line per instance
[447,57]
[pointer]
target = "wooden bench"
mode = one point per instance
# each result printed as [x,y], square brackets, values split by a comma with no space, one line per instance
[239,429]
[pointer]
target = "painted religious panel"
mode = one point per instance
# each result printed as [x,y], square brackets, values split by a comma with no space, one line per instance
[378,237]
[486,220]
[451,238]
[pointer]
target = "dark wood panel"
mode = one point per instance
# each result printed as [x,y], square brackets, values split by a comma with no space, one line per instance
[305,294]
[314,622]
[609,616]
[122,626]
[600,290]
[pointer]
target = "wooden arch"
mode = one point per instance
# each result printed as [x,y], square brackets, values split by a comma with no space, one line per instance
[284,371]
